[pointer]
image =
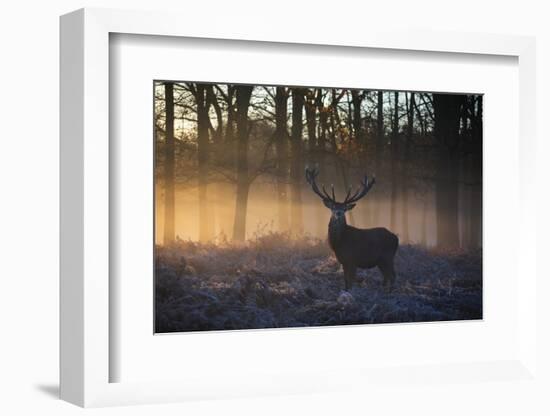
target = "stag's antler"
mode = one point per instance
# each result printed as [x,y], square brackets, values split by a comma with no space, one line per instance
[311,175]
[361,191]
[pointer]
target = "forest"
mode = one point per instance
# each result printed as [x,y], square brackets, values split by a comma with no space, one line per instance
[230,190]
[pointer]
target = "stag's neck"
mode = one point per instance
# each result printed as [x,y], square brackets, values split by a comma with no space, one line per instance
[336,230]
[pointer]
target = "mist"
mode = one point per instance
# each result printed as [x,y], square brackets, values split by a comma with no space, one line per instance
[224,179]
[262,216]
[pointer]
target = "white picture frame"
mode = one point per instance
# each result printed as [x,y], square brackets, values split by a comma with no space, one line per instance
[85,221]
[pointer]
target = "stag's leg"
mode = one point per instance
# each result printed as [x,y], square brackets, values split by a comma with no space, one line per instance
[349,276]
[388,271]
[346,278]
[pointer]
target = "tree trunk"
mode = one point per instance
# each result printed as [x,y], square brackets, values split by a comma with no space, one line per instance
[216,159]
[230,125]
[311,126]
[281,146]
[360,137]
[229,145]
[323,122]
[405,169]
[477,174]
[296,220]
[349,121]
[446,131]
[379,146]
[206,225]
[314,156]
[361,142]
[244,93]
[322,157]
[394,162]
[169,163]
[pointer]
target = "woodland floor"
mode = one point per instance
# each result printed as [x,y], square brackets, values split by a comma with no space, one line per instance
[273,282]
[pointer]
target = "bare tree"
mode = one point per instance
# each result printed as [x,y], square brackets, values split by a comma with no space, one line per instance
[394,161]
[281,145]
[243,94]
[356,99]
[446,130]
[169,161]
[203,122]
[311,122]
[410,108]
[476,114]
[379,150]
[296,219]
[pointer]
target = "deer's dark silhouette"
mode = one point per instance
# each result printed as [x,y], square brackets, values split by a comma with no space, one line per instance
[356,248]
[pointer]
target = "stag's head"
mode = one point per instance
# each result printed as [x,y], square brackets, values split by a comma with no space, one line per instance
[338,209]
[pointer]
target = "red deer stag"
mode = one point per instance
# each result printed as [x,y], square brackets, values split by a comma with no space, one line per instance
[356,248]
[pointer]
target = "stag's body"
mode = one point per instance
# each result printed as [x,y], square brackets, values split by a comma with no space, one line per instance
[357,248]
[354,247]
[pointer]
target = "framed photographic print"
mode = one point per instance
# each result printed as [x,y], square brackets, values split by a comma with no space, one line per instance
[248,237]
[283,213]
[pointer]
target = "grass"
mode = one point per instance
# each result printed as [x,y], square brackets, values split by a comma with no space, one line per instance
[273,281]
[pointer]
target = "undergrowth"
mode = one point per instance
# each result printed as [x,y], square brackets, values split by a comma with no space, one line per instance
[273,281]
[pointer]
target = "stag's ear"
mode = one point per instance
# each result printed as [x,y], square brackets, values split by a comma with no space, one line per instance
[327,203]
[349,207]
